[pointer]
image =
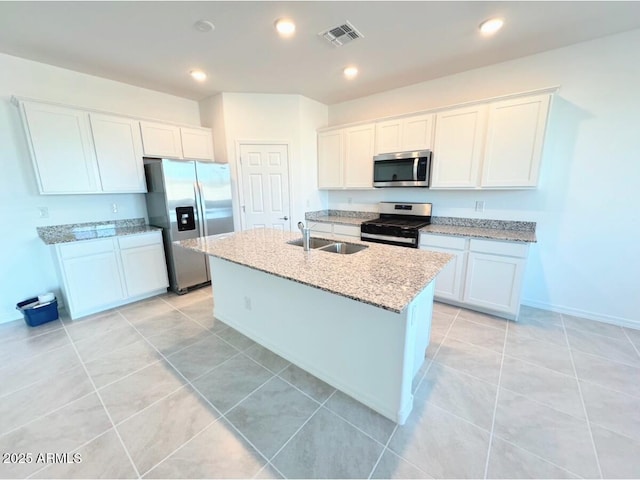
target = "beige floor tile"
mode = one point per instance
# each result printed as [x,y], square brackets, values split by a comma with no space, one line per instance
[441,444]
[103,457]
[617,350]
[476,361]
[539,325]
[393,467]
[484,319]
[612,410]
[619,455]
[218,452]
[160,322]
[458,393]
[441,321]
[121,362]
[138,311]
[314,452]
[40,398]
[592,326]
[548,433]
[554,389]
[93,325]
[544,354]
[202,356]
[20,351]
[370,422]
[445,308]
[508,461]
[11,332]
[607,373]
[235,338]
[159,430]
[175,339]
[40,367]
[253,417]
[312,386]
[93,348]
[139,390]
[61,431]
[267,358]
[478,334]
[634,336]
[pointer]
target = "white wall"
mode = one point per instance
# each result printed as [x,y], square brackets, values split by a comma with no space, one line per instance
[26,263]
[586,260]
[269,118]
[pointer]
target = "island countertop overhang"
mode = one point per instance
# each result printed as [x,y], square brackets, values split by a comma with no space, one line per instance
[384,276]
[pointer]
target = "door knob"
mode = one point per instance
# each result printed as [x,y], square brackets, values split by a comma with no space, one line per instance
[284,218]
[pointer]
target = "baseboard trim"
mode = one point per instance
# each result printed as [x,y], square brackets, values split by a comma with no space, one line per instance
[576,312]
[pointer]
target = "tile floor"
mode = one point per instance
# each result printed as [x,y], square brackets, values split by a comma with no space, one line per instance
[160,389]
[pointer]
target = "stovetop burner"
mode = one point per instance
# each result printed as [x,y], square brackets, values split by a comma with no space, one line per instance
[398,224]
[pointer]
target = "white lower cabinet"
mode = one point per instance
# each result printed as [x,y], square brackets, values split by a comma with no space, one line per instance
[484,275]
[100,274]
[336,231]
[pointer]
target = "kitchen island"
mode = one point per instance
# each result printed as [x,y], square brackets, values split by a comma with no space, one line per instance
[360,322]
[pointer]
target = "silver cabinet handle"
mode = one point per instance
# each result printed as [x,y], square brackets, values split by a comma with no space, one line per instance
[284,218]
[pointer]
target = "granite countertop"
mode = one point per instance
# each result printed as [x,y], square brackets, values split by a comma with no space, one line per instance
[525,236]
[506,230]
[384,276]
[75,232]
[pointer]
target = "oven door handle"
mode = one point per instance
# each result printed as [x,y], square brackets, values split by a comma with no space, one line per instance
[389,238]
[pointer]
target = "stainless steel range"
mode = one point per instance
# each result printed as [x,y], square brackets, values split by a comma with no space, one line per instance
[398,224]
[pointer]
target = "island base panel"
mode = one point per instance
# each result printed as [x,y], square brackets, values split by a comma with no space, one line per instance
[367,352]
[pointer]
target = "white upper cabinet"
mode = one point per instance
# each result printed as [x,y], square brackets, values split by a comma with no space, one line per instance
[345,157]
[197,143]
[118,148]
[161,140]
[61,148]
[404,134]
[515,134]
[330,158]
[358,156]
[458,145]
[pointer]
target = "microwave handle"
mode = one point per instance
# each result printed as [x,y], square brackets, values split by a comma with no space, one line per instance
[415,168]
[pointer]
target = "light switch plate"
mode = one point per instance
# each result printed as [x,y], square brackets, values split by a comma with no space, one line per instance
[479,205]
[43,212]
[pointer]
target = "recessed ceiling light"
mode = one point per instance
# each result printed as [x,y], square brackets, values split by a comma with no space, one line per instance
[491,26]
[204,26]
[285,27]
[198,75]
[350,72]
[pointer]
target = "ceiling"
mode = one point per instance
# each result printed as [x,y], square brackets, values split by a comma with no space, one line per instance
[155,45]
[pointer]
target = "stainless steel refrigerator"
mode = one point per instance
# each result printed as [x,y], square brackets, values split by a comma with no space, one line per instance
[188,199]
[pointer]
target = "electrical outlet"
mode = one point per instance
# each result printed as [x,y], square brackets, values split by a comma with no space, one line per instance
[43,212]
[479,205]
[247,303]
[114,207]
[350,200]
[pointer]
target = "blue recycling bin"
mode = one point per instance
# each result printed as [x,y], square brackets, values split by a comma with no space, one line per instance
[37,316]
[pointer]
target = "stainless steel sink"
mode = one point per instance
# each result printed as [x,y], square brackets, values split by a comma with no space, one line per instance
[343,248]
[313,242]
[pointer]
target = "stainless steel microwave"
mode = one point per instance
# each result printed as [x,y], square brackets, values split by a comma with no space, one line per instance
[402,169]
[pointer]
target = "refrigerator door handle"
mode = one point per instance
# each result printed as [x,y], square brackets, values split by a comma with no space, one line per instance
[201,209]
[196,193]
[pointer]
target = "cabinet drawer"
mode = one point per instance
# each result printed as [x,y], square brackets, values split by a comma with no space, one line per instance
[442,241]
[349,230]
[499,248]
[321,227]
[141,240]
[87,247]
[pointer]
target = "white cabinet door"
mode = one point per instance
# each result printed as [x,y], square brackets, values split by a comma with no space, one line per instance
[404,134]
[515,134]
[450,280]
[389,136]
[161,140]
[118,147]
[330,155]
[92,282]
[494,282]
[417,133]
[62,152]
[358,156]
[144,269]
[197,143]
[457,150]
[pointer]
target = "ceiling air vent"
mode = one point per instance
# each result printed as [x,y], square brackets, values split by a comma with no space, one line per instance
[341,34]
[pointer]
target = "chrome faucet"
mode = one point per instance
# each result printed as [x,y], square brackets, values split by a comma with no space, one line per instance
[306,236]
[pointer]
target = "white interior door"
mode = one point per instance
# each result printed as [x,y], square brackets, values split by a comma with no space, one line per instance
[265,186]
